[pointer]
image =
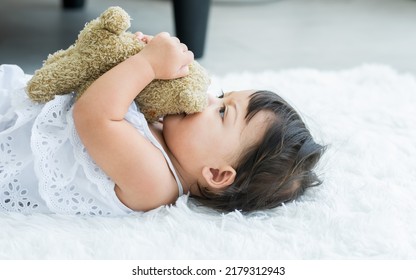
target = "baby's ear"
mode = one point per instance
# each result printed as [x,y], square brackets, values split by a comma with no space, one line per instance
[219,178]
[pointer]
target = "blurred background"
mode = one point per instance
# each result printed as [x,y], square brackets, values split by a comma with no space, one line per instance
[242,35]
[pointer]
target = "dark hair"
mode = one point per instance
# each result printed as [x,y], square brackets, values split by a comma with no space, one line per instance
[277,169]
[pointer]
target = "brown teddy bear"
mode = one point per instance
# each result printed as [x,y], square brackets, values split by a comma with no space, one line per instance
[103,43]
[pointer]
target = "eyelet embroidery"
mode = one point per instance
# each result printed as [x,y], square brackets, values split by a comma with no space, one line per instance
[15,198]
[43,165]
[60,168]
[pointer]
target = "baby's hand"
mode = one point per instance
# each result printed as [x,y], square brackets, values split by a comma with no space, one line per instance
[144,38]
[167,56]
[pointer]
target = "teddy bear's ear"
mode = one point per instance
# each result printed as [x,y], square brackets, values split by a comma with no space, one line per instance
[115,20]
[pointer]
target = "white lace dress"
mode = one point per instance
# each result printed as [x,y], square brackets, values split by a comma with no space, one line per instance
[43,165]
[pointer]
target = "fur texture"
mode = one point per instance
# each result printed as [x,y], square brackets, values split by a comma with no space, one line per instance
[103,43]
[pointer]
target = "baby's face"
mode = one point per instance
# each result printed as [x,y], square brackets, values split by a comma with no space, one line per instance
[216,136]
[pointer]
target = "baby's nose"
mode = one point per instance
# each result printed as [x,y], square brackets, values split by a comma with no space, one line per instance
[212,99]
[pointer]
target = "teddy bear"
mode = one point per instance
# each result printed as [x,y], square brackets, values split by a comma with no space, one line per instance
[103,43]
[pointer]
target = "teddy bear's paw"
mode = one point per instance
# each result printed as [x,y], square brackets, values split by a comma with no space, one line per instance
[152,115]
[115,20]
[193,101]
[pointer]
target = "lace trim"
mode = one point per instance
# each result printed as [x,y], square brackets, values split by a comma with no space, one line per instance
[69,181]
[16,163]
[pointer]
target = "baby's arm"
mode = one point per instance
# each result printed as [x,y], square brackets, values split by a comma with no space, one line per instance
[117,147]
[164,57]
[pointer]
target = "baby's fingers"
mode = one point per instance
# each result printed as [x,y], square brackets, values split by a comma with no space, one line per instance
[144,38]
[188,58]
[147,38]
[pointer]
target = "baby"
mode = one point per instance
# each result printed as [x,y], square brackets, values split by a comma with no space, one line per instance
[248,150]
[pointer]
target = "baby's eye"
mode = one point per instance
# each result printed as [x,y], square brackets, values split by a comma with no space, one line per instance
[222,111]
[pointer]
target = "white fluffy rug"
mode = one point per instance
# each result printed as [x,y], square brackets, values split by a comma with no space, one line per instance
[366,208]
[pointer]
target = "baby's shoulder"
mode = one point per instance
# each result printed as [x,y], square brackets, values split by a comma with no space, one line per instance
[156,188]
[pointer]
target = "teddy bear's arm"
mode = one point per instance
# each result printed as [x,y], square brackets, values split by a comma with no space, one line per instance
[61,77]
[184,95]
[52,58]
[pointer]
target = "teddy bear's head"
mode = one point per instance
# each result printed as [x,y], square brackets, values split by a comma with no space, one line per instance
[103,43]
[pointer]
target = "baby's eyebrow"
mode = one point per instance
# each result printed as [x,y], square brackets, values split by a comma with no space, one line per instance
[236,109]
